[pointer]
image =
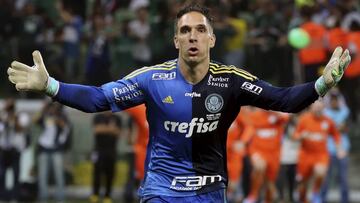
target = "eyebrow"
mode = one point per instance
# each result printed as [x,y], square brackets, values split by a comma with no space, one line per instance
[196,26]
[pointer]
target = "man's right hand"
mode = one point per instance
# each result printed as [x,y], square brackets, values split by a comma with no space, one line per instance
[35,78]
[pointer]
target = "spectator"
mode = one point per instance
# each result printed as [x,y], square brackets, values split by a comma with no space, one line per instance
[53,140]
[97,69]
[140,140]
[264,37]
[71,38]
[239,135]
[339,113]
[351,84]
[140,31]
[107,128]
[313,57]
[264,150]
[289,158]
[313,129]
[13,141]
[30,29]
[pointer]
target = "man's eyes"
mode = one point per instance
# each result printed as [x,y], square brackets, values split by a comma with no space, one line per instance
[202,29]
[187,29]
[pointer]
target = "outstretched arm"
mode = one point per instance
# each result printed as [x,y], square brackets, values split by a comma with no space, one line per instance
[85,98]
[37,79]
[296,98]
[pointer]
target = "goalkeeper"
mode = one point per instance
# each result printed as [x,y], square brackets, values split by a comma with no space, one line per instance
[190,102]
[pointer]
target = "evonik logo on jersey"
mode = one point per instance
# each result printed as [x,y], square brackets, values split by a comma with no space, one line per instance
[196,124]
[188,183]
[251,88]
[163,76]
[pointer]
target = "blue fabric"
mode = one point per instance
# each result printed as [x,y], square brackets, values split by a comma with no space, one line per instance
[339,116]
[338,168]
[188,123]
[211,197]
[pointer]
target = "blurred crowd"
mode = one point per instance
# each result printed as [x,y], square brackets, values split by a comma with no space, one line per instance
[96,41]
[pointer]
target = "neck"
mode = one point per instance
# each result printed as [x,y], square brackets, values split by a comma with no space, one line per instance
[194,73]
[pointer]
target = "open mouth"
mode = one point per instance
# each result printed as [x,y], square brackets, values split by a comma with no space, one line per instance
[193,51]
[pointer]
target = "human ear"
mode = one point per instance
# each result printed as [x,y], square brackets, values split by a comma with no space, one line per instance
[176,42]
[212,40]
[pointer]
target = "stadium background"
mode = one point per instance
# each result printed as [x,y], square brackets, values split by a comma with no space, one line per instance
[257,40]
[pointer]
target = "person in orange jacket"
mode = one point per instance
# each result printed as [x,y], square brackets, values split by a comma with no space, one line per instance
[264,150]
[140,141]
[313,130]
[239,134]
[314,56]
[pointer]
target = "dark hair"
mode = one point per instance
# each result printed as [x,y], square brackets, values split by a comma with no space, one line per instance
[194,8]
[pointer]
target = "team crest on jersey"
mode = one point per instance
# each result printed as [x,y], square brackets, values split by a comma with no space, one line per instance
[164,76]
[214,103]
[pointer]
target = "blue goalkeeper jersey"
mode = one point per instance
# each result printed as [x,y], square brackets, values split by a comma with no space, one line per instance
[188,123]
[186,153]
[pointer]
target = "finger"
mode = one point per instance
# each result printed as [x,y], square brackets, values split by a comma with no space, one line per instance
[13,72]
[337,53]
[11,78]
[21,86]
[38,61]
[17,79]
[345,59]
[20,66]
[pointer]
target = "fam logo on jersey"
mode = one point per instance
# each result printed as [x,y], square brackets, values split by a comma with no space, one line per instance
[251,88]
[163,76]
[214,103]
[218,81]
[187,183]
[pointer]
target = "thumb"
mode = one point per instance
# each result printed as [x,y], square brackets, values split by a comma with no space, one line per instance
[38,61]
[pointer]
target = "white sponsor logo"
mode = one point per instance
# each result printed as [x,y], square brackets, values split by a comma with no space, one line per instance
[187,183]
[251,88]
[214,103]
[266,133]
[218,81]
[314,136]
[196,124]
[192,94]
[127,93]
[164,76]
[212,117]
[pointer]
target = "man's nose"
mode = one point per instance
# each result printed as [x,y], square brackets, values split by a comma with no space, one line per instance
[193,36]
